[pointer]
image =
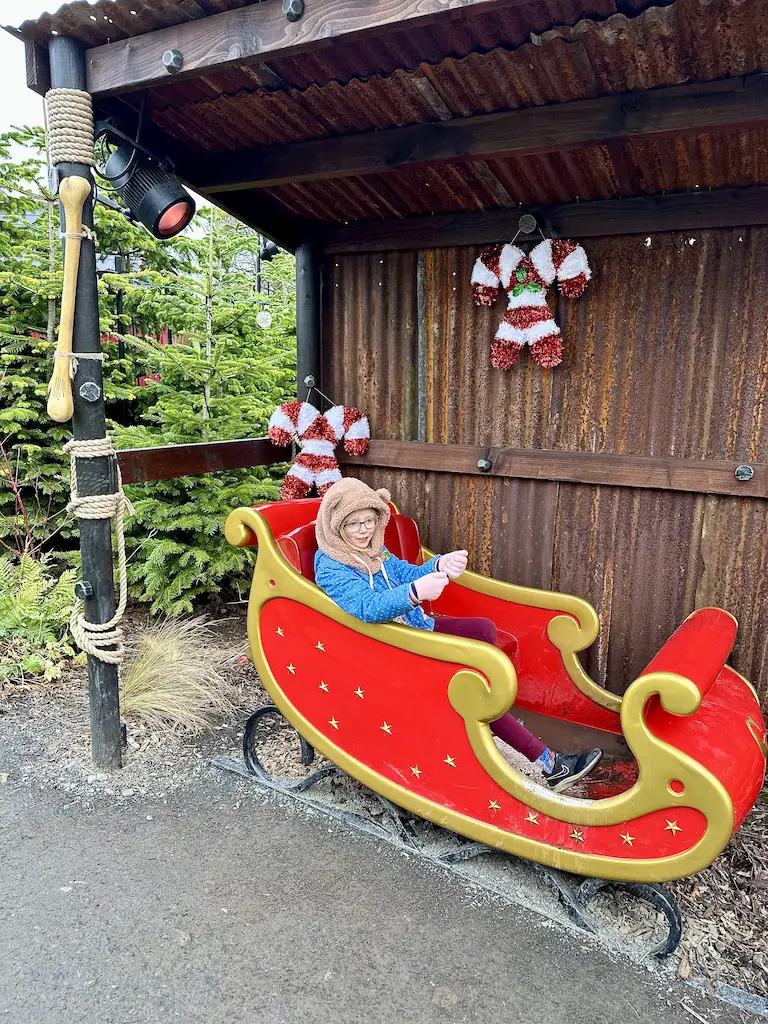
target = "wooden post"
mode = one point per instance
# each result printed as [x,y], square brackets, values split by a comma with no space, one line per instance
[94,476]
[308,315]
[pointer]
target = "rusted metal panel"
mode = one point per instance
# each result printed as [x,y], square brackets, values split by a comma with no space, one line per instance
[734,570]
[370,339]
[665,352]
[467,401]
[688,41]
[635,555]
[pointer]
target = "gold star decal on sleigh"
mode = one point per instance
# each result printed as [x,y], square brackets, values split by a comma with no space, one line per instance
[386,728]
[415,770]
[532,817]
[672,827]
[359,693]
[279,631]
[324,687]
[627,838]
[449,761]
[291,668]
[493,806]
[577,835]
[320,647]
[333,723]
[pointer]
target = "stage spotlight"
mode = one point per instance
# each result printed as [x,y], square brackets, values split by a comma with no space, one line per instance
[153,195]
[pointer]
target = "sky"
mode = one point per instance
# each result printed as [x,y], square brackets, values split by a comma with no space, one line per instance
[18,104]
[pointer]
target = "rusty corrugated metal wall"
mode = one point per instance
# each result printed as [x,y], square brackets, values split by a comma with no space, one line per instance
[666,354]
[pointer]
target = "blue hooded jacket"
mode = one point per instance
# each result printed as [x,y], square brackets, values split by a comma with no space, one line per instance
[381,596]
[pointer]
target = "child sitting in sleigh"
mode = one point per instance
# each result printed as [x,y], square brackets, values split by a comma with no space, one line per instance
[356,571]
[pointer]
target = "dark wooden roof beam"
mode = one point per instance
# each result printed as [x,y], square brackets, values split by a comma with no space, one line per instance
[689,211]
[680,110]
[261,31]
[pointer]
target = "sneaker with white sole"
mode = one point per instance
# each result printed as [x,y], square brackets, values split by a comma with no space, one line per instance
[569,768]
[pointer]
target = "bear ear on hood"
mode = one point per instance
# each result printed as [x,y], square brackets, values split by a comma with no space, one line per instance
[384,494]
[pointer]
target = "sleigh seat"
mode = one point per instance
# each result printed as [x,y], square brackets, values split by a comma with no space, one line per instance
[407,711]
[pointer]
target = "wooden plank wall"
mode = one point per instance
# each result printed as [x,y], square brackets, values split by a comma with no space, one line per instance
[665,355]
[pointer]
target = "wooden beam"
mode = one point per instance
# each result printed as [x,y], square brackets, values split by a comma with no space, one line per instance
[261,213]
[38,67]
[262,31]
[688,211]
[139,465]
[682,110]
[697,476]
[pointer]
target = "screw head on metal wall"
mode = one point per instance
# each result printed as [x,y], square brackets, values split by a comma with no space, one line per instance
[744,472]
[172,61]
[484,465]
[293,9]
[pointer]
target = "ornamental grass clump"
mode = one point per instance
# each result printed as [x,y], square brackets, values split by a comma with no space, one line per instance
[172,680]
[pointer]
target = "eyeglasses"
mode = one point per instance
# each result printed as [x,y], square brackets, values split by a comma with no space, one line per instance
[360,525]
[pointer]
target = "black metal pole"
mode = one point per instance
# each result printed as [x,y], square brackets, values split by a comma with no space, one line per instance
[308,315]
[122,408]
[94,476]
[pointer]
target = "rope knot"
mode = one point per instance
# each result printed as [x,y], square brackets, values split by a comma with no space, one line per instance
[101,640]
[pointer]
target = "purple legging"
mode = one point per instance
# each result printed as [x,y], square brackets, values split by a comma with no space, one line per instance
[507,727]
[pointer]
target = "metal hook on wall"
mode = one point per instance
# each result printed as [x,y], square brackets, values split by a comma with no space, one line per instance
[309,381]
[527,225]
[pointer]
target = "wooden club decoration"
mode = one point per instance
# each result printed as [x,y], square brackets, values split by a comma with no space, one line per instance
[73,193]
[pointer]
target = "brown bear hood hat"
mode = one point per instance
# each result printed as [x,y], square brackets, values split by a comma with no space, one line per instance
[339,501]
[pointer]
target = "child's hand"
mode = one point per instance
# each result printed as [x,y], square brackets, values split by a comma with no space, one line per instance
[453,564]
[431,586]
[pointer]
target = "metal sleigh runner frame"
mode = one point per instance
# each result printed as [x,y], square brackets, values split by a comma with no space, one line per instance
[397,829]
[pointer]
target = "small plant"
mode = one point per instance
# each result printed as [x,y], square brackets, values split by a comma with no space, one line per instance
[35,608]
[172,680]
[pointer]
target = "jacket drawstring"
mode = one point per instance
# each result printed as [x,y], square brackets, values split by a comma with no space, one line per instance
[370,574]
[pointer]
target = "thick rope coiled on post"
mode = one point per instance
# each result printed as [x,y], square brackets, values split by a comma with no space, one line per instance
[69,116]
[94,637]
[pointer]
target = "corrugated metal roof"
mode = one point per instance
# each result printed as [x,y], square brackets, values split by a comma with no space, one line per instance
[106,21]
[688,41]
[692,40]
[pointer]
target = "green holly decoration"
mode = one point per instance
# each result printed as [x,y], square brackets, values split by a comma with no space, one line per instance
[533,287]
[521,274]
[518,290]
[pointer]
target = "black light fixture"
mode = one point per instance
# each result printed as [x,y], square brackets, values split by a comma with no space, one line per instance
[269,252]
[150,190]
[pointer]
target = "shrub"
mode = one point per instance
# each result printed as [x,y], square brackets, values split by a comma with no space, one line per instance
[35,608]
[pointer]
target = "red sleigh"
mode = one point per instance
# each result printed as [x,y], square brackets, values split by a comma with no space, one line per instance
[406,711]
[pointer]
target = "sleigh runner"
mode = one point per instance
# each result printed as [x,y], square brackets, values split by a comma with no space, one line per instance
[406,711]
